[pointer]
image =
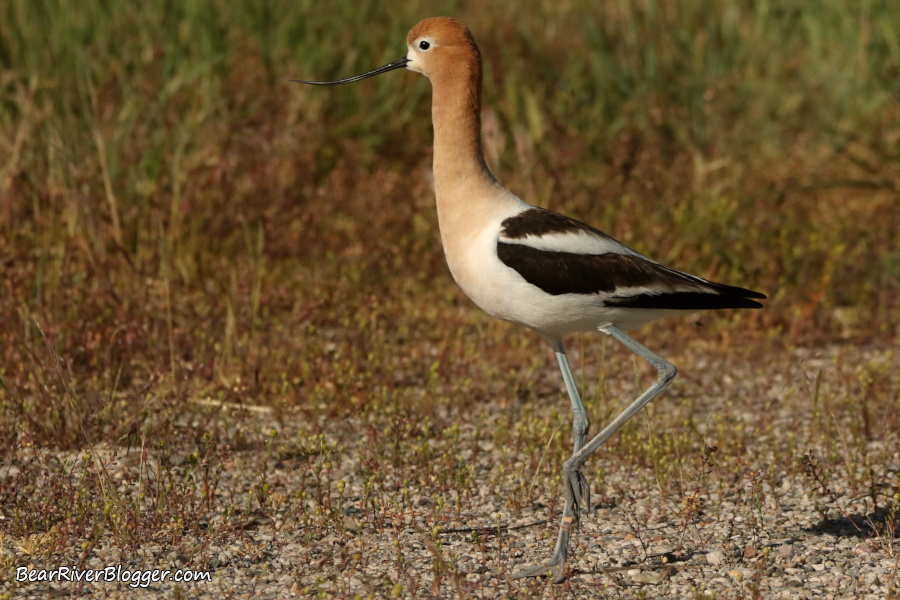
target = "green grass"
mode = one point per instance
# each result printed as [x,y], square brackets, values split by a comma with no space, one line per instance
[180,223]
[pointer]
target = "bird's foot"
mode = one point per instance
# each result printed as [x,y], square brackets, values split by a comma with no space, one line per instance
[578,495]
[554,567]
[576,490]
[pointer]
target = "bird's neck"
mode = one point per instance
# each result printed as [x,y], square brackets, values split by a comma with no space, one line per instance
[464,186]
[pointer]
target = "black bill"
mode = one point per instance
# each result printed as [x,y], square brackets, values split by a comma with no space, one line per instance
[397,64]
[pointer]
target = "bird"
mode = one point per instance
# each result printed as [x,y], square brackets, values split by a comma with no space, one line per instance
[535,267]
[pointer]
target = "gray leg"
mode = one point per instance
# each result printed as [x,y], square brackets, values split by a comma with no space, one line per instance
[572,477]
[580,423]
[667,373]
[580,426]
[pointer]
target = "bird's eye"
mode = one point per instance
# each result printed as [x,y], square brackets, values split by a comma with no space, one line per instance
[423,45]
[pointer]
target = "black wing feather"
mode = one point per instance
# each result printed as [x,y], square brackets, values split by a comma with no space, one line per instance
[569,273]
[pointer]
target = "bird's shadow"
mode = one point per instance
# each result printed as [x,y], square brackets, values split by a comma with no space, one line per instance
[862,526]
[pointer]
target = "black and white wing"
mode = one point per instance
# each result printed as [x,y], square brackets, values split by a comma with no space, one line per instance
[560,255]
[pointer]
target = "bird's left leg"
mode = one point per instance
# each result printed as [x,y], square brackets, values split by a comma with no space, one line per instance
[666,373]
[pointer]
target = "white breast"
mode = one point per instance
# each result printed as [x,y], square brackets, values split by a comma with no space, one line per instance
[470,246]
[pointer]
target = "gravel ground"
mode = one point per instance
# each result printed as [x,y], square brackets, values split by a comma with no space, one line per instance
[760,527]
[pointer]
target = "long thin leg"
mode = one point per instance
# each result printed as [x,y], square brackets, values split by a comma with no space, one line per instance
[580,422]
[580,426]
[666,374]
[572,477]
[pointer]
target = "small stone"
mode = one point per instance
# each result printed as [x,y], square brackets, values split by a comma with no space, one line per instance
[716,557]
[647,576]
[863,548]
[750,551]
[350,524]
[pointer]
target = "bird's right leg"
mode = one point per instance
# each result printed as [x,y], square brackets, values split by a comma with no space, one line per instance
[580,423]
[577,495]
[581,494]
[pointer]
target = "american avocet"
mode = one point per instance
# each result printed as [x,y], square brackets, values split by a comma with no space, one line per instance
[535,267]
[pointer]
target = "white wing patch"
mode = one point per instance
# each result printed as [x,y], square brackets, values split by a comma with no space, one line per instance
[577,241]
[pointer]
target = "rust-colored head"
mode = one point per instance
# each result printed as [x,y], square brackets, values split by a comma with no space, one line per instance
[439,48]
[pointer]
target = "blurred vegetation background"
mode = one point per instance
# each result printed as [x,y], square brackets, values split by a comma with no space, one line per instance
[178,220]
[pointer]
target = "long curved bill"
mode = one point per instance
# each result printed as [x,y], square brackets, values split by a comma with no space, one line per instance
[397,64]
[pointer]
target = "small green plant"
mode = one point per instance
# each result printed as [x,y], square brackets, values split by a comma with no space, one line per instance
[692,505]
[755,587]
[757,500]
[886,525]
[816,475]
